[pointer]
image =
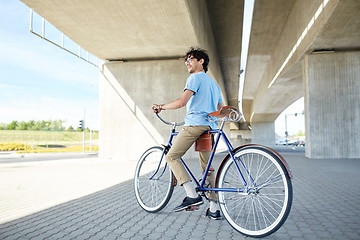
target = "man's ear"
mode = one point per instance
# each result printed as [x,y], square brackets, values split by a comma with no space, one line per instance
[201,61]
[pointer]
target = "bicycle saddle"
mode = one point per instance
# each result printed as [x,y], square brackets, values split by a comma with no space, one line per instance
[229,113]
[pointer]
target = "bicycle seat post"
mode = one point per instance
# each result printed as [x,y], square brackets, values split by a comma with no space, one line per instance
[222,124]
[173,127]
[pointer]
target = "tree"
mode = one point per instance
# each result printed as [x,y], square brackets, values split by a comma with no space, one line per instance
[300,134]
[12,125]
[31,125]
[22,126]
[71,129]
[42,125]
[57,125]
[37,126]
[45,125]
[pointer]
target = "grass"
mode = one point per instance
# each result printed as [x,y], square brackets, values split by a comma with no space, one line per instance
[46,141]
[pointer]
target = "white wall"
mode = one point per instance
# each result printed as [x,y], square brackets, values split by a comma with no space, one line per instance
[127,90]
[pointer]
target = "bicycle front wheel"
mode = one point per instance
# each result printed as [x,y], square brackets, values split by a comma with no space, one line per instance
[261,207]
[153,180]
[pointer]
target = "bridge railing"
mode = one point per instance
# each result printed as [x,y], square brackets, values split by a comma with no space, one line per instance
[59,39]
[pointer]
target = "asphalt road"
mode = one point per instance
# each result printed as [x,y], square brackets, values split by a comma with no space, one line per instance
[12,157]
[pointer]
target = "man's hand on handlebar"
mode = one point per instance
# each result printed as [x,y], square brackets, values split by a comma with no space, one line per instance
[157,108]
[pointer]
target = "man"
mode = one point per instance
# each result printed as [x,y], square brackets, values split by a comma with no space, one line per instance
[201,96]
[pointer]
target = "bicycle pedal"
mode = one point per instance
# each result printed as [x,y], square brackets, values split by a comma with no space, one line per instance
[192,208]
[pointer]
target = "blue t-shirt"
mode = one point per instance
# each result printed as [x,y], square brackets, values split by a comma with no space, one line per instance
[207,95]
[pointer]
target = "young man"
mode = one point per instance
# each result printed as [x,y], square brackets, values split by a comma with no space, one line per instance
[201,96]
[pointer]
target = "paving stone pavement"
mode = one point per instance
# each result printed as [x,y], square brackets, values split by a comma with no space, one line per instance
[326,205]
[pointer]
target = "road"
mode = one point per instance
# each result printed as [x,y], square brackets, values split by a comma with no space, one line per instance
[94,199]
[12,157]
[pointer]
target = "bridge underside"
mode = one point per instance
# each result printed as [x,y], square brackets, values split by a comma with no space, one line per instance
[311,49]
[142,42]
[283,32]
[137,30]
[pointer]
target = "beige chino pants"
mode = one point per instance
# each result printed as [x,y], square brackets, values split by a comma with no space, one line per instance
[183,141]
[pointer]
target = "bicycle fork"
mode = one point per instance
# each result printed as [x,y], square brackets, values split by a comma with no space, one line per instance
[164,152]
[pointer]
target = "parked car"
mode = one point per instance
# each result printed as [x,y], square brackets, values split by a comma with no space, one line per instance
[286,142]
[301,143]
[291,142]
[280,142]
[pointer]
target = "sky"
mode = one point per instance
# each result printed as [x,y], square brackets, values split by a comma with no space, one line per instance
[40,81]
[294,123]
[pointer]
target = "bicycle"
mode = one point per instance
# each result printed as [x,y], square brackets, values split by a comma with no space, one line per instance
[253,182]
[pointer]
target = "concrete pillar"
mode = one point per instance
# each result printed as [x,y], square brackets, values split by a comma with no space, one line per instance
[332,105]
[127,90]
[263,133]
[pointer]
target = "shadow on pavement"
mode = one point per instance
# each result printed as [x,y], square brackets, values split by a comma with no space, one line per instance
[326,205]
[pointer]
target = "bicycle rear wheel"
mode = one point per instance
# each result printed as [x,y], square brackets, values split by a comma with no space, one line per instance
[153,183]
[262,207]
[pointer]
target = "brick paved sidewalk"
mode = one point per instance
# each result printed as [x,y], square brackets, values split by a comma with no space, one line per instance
[325,206]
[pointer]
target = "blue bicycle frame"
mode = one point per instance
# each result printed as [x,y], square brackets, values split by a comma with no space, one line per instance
[220,133]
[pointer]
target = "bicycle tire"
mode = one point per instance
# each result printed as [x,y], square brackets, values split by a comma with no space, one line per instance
[263,209]
[153,194]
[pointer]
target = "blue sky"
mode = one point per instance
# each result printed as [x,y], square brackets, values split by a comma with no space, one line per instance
[39,81]
[294,124]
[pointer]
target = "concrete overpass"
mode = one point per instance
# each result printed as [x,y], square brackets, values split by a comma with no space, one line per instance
[142,42]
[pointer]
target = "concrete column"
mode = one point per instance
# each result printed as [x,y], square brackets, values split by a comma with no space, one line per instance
[332,105]
[127,90]
[263,133]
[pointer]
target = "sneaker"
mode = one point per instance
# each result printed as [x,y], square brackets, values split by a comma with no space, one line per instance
[188,202]
[215,216]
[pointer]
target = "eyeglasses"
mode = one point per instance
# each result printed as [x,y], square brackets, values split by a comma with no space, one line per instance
[188,60]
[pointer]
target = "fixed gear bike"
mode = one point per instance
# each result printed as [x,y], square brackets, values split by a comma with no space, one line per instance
[253,182]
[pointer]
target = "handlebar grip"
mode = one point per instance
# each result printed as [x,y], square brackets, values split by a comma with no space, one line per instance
[155,108]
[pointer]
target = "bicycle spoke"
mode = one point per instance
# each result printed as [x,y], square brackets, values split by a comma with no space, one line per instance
[277,179]
[272,200]
[262,209]
[265,205]
[153,183]
[236,203]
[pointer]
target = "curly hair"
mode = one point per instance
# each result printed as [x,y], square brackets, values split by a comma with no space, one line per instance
[199,53]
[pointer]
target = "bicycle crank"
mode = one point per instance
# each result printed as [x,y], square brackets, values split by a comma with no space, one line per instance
[192,208]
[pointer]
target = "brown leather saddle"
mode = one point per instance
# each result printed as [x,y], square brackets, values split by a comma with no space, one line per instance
[227,111]
[206,140]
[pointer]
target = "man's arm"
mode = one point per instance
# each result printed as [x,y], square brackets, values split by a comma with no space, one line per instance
[178,103]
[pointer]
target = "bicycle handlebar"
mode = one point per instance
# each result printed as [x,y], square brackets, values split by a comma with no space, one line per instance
[225,114]
[169,123]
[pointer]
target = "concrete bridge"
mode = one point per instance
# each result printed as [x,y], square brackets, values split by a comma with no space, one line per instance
[297,48]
